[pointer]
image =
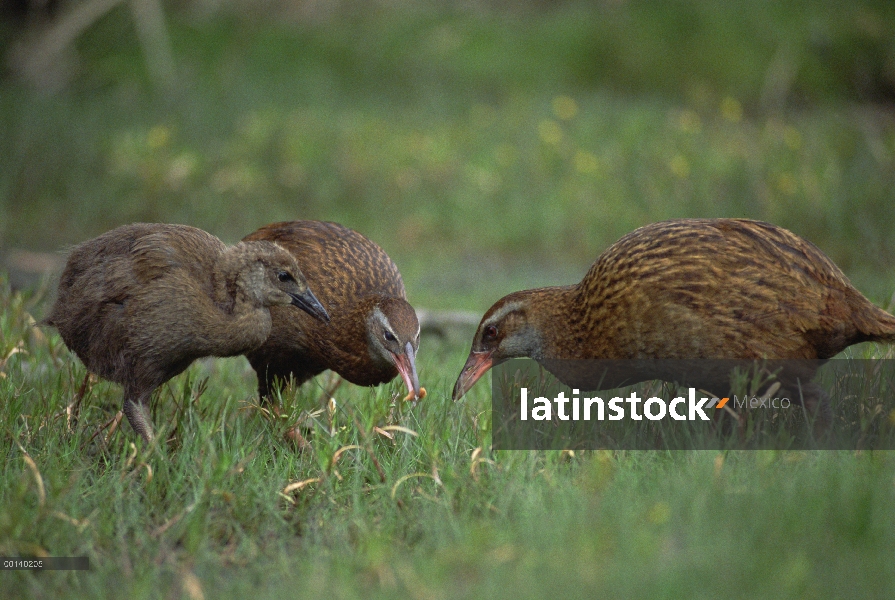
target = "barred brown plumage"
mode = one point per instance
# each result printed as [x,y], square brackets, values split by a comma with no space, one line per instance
[374,332]
[139,303]
[686,289]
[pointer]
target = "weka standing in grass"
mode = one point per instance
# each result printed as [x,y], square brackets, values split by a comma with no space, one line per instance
[687,289]
[374,333]
[139,303]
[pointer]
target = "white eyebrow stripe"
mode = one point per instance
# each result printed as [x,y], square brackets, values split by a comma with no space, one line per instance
[383,319]
[503,312]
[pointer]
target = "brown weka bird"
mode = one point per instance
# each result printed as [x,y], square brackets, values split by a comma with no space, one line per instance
[139,303]
[688,289]
[374,333]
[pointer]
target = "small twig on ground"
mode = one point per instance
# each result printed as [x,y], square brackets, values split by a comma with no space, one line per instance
[114,421]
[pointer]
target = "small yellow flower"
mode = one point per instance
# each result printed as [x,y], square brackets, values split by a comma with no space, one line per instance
[787,184]
[679,166]
[550,131]
[158,136]
[586,162]
[565,108]
[731,109]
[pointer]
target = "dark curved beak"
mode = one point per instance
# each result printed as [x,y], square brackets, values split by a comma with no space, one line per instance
[309,303]
[476,365]
[406,364]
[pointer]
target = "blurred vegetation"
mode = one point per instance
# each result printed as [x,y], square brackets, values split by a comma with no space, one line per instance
[483,144]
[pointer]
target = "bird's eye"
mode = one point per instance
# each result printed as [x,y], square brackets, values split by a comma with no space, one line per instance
[285,276]
[490,332]
[389,336]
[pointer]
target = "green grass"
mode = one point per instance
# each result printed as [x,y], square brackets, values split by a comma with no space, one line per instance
[433,513]
[487,149]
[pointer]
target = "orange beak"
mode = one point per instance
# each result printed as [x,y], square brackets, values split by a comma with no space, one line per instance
[476,366]
[406,364]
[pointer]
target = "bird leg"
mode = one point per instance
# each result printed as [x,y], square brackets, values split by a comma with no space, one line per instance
[137,413]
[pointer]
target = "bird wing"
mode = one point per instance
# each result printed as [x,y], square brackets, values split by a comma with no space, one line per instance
[152,258]
[176,247]
[323,248]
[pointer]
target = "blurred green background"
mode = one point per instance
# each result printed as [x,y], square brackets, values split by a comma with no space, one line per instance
[486,145]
